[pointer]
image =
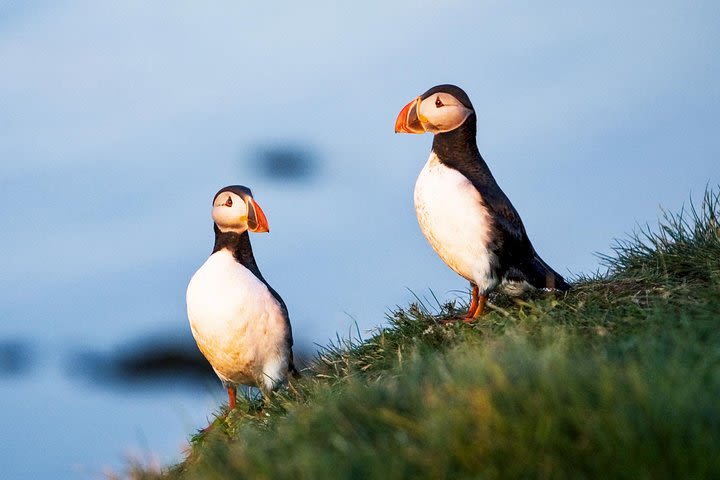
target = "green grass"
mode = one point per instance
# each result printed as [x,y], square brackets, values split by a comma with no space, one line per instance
[619,378]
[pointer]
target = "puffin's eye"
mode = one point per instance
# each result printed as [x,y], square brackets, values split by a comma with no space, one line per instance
[438,103]
[228,203]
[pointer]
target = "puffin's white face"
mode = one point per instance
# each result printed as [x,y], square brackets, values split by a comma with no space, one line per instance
[442,112]
[437,113]
[232,213]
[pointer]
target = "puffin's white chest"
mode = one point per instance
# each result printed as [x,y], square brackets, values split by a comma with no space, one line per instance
[237,323]
[454,220]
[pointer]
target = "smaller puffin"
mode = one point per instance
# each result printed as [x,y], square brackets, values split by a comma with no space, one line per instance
[239,322]
[463,213]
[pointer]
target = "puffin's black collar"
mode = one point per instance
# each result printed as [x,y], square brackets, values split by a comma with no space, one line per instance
[239,245]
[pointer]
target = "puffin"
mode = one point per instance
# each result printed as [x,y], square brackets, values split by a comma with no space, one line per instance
[238,320]
[462,211]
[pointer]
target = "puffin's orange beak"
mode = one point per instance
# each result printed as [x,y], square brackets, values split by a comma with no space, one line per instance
[408,120]
[257,222]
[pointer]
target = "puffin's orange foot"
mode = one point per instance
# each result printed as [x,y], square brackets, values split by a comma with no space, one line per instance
[232,393]
[479,310]
[470,315]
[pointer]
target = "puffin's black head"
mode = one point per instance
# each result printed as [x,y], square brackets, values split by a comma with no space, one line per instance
[441,109]
[235,210]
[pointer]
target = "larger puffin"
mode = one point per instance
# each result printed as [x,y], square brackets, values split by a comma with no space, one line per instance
[239,322]
[463,213]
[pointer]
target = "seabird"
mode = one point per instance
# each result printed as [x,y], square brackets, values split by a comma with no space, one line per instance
[239,321]
[463,213]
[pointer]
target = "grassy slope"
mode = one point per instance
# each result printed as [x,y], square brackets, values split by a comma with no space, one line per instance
[618,378]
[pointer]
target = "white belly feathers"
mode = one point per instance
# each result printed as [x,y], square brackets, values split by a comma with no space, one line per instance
[237,323]
[455,222]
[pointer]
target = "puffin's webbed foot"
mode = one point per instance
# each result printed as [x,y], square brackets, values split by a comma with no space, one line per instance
[475,310]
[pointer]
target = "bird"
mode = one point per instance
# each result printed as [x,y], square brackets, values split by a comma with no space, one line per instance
[239,322]
[462,211]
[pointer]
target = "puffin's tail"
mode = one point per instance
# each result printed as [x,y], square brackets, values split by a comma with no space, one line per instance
[292,368]
[540,275]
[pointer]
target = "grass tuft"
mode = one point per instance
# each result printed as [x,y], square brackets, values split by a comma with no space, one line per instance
[619,378]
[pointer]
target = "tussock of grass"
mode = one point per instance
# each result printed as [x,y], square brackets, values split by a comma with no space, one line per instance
[618,378]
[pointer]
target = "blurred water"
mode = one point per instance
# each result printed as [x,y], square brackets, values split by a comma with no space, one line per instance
[119,122]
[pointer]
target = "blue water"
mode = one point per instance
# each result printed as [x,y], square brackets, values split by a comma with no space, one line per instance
[119,122]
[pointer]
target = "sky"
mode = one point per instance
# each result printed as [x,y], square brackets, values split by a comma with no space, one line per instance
[120,120]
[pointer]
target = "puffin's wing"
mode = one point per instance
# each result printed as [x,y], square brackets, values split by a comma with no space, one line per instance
[524,258]
[504,215]
[289,339]
[536,272]
[286,315]
[524,263]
